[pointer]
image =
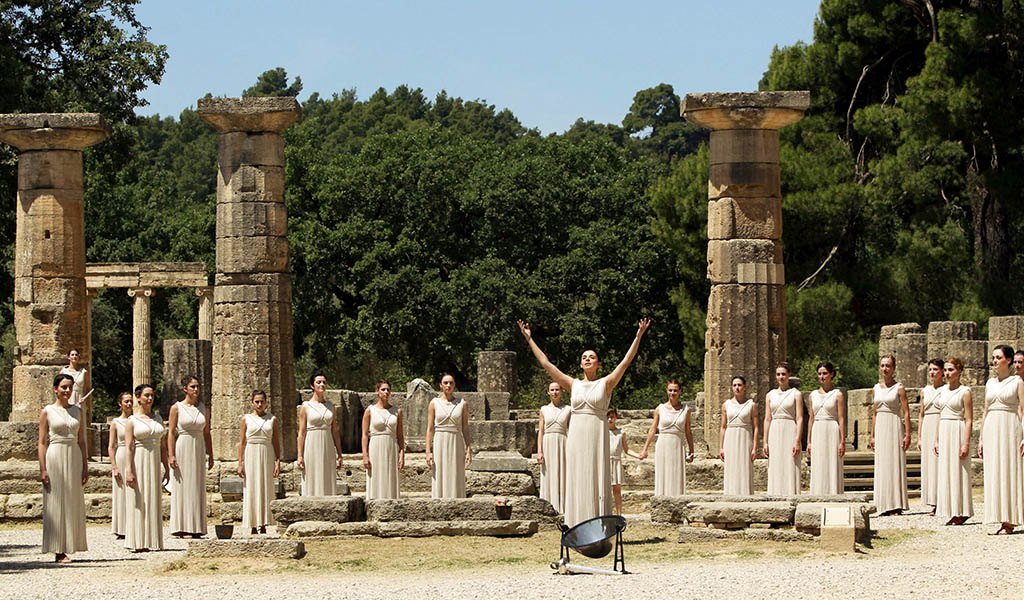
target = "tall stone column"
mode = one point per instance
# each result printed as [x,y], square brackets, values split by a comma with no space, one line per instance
[205,312]
[746,321]
[49,258]
[252,298]
[141,349]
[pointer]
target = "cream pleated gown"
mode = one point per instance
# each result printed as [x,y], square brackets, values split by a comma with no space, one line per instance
[670,451]
[588,484]
[1004,472]
[259,471]
[118,523]
[953,475]
[382,480]
[890,487]
[319,454]
[552,472]
[188,481]
[615,456]
[783,467]
[143,506]
[64,499]
[826,464]
[739,441]
[449,477]
[929,462]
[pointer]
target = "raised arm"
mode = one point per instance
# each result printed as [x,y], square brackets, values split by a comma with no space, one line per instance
[616,375]
[557,376]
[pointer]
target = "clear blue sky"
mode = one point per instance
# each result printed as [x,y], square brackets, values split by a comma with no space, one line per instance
[550,62]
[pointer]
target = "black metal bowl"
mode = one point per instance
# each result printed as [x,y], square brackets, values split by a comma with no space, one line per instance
[592,538]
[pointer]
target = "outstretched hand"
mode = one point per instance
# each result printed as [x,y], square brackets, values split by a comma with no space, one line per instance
[524,328]
[642,327]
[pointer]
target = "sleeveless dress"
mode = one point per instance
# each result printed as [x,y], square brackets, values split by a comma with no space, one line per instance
[143,504]
[449,476]
[953,476]
[890,486]
[670,451]
[615,456]
[783,467]
[259,471]
[382,480]
[552,472]
[188,481]
[929,462]
[1004,473]
[78,386]
[739,441]
[826,464]
[588,483]
[118,523]
[64,500]
[319,454]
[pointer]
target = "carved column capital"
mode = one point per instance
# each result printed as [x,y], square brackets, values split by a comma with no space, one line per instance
[141,292]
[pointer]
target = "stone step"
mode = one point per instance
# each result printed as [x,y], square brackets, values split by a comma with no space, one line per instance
[488,528]
[263,548]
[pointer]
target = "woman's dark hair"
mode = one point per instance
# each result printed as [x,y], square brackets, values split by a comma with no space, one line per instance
[783,365]
[376,388]
[956,362]
[888,357]
[313,377]
[188,379]
[612,411]
[740,377]
[828,367]
[673,381]
[447,374]
[141,388]
[938,362]
[61,377]
[1006,350]
[255,393]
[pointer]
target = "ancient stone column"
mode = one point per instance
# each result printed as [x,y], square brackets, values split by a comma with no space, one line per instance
[746,321]
[141,348]
[205,312]
[185,358]
[49,257]
[496,371]
[252,298]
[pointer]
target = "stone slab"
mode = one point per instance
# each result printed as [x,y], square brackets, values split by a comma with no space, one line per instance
[263,548]
[249,114]
[509,528]
[53,131]
[336,509]
[500,461]
[18,441]
[524,508]
[486,483]
[316,529]
[705,534]
[774,512]
[674,509]
[807,518]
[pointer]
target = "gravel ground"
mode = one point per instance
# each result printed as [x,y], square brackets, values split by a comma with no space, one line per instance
[952,562]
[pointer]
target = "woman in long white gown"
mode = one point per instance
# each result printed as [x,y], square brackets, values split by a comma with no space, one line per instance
[449,447]
[1001,445]
[190,455]
[383,445]
[738,440]
[64,472]
[588,486]
[952,443]
[117,454]
[826,434]
[783,424]
[259,462]
[928,426]
[672,425]
[552,426]
[890,438]
[145,457]
[319,446]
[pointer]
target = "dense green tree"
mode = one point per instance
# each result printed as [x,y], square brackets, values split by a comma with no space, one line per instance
[275,83]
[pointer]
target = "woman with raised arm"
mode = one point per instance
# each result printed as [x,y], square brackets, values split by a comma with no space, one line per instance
[738,438]
[1001,446]
[189,449]
[890,438]
[826,434]
[783,423]
[117,454]
[672,424]
[259,462]
[449,448]
[64,473]
[383,445]
[552,426]
[928,426]
[952,445]
[319,447]
[588,486]
[145,455]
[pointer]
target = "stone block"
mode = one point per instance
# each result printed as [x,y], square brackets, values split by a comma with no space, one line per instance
[496,371]
[246,148]
[499,484]
[807,518]
[230,512]
[256,253]
[526,508]
[98,506]
[18,441]
[500,461]
[911,355]
[1006,328]
[250,219]
[52,131]
[260,548]
[728,260]
[48,233]
[231,488]
[24,507]
[238,319]
[518,436]
[509,528]
[779,512]
[973,353]
[53,169]
[315,529]
[337,509]
[745,146]
[253,114]
[745,218]
[940,333]
[745,110]
[888,333]
[744,180]
[975,377]
[32,389]
[250,183]
[185,358]
[20,477]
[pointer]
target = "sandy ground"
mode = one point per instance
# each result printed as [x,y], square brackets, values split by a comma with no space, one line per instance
[914,557]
